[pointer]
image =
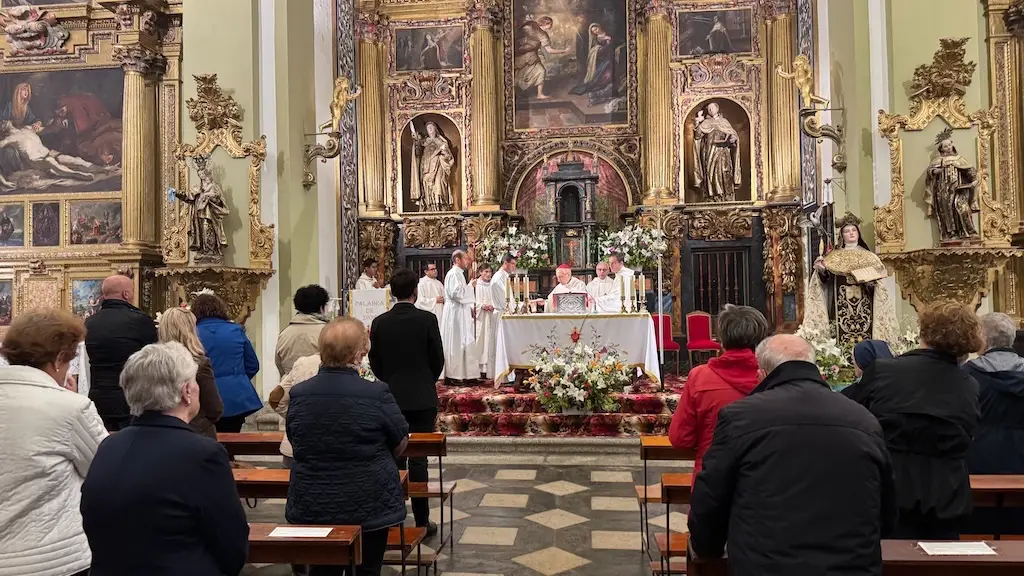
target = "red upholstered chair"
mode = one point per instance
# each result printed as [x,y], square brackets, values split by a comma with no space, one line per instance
[698,335]
[663,334]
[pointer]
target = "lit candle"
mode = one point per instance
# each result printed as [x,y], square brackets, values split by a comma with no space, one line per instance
[508,292]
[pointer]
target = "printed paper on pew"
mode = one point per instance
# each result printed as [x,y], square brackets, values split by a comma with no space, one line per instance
[299,532]
[956,549]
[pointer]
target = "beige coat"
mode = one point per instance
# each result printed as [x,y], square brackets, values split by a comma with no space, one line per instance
[298,339]
[303,369]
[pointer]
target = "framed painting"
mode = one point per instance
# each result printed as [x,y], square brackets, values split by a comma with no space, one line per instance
[94,222]
[429,48]
[44,225]
[84,296]
[700,32]
[60,131]
[6,301]
[13,3]
[569,66]
[12,225]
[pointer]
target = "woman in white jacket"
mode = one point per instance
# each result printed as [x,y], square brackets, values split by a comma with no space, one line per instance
[48,437]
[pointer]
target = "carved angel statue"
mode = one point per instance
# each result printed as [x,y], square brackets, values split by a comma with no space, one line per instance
[342,96]
[950,190]
[207,210]
[803,77]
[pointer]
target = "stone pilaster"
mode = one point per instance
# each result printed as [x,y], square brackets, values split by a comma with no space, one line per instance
[483,138]
[371,30]
[657,127]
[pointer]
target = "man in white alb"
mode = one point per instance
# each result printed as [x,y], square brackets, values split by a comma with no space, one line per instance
[457,333]
[500,284]
[567,283]
[430,292]
[486,320]
[368,279]
[600,287]
[611,302]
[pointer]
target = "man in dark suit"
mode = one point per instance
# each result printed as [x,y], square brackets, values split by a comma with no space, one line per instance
[113,334]
[405,352]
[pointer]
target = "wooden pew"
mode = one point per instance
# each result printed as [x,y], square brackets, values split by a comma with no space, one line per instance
[434,445]
[251,443]
[273,482]
[905,558]
[656,448]
[342,547]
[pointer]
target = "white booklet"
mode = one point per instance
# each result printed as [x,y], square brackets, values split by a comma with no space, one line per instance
[299,532]
[956,549]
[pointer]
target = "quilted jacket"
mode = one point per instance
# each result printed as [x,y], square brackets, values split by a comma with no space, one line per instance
[234,365]
[344,431]
[48,437]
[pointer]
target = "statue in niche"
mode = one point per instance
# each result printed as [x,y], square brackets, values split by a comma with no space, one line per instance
[432,162]
[207,210]
[950,191]
[716,151]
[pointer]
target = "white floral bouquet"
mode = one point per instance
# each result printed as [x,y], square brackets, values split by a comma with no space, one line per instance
[578,377]
[909,340]
[530,249]
[833,359]
[640,247]
[365,371]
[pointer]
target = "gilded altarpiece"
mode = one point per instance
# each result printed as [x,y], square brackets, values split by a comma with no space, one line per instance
[91,97]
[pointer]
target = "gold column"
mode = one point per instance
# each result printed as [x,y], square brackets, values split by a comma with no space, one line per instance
[657,136]
[370,111]
[483,137]
[139,189]
[783,131]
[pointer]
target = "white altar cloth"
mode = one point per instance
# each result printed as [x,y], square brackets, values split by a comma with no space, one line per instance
[632,334]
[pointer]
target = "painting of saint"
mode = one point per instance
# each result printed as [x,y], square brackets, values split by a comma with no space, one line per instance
[12,225]
[86,297]
[6,302]
[46,224]
[95,222]
[570,63]
[429,48]
[60,131]
[714,32]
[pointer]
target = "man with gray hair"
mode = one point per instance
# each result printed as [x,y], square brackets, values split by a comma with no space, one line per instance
[797,476]
[998,446]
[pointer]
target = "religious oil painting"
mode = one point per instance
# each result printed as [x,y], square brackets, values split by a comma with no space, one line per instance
[13,3]
[570,63]
[716,153]
[85,297]
[60,131]
[431,164]
[714,32]
[6,302]
[95,222]
[429,48]
[46,224]
[12,225]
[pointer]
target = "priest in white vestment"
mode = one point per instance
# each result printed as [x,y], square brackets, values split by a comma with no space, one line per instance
[567,283]
[486,320]
[600,287]
[430,292]
[368,279]
[611,303]
[500,296]
[457,333]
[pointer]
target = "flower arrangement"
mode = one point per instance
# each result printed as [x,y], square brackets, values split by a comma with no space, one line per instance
[365,371]
[833,359]
[909,340]
[530,249]
[640,247]
[577,377]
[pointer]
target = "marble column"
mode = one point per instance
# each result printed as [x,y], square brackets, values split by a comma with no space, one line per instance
[657,126]
[483,18]
[371,30]
[783,130]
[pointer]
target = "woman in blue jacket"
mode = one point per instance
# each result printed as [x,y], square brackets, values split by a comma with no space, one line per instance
[233,358]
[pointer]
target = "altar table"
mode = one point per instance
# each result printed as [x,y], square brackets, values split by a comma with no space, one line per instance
[632,334]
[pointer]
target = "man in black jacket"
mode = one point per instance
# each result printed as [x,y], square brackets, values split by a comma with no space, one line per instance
[113,334]
[406,352]
[797,479]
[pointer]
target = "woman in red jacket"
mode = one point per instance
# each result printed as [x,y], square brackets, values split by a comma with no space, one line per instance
[723,380]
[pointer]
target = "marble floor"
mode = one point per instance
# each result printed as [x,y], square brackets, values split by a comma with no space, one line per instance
[528,515]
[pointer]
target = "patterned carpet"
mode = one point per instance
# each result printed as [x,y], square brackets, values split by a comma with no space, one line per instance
[486,411]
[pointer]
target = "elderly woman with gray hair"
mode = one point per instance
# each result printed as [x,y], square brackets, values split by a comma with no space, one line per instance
[160,499]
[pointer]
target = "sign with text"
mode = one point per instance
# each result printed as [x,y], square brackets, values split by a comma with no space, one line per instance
[368,304]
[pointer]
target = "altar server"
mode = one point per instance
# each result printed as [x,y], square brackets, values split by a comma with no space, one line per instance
[457,333]
[368,279]
[486,320]
[430,292]
[567,283]
[500,284]
[602,286]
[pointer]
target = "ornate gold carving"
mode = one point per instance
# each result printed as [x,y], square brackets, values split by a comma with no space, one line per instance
[427,87]
[239,287]
[481,226]
[720,224]
[213,109]
[719,70]
[948,75]
[377,240]
[33,31]
[783,249]
[139,59]
[482,14]
[372,26]
[38,287]
[964,275]
[431,232]
[342,96]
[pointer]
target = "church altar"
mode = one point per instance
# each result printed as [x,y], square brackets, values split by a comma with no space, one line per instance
[631,334]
